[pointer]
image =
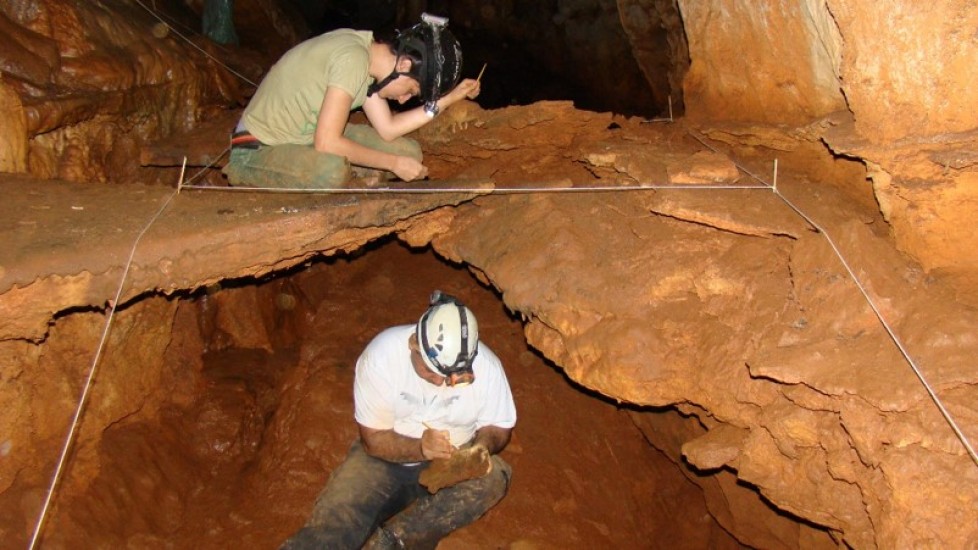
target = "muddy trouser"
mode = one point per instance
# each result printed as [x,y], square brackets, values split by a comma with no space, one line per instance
[365,492]
[302,167]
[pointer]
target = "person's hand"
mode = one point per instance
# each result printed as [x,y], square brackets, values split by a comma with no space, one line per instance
[465,464]
[468,88]
[479,454]
[435,444]
[409,169]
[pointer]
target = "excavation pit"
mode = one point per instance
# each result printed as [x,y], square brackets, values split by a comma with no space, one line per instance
[255,409]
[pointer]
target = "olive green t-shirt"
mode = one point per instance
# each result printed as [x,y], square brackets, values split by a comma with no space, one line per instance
[286,105]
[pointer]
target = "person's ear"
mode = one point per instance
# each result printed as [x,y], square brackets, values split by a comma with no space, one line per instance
[403,65]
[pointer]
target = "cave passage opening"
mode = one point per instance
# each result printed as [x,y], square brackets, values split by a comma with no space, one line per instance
[258,410]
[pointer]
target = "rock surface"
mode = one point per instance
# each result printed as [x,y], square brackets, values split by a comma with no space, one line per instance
[792,379]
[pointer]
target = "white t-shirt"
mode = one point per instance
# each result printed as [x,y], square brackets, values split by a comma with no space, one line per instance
[389,394]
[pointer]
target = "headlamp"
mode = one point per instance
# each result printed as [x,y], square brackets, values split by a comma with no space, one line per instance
[458,373]
[460,379]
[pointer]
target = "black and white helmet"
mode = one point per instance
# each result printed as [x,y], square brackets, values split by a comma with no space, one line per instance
[448,336]
[436,57]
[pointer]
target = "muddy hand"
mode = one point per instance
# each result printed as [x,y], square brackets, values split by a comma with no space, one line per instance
[409,169]
[466,464]
[435,444]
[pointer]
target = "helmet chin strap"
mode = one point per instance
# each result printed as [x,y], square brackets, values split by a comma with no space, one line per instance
[378,86]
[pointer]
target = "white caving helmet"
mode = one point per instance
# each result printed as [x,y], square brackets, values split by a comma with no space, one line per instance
[448,336]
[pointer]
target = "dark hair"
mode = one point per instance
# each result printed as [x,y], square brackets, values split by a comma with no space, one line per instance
[435,55]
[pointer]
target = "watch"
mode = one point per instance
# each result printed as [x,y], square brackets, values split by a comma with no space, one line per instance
[431,109]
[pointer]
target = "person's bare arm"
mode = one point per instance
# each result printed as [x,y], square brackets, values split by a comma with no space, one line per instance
[393,447]
[394,125]
[333,117]
[493,438]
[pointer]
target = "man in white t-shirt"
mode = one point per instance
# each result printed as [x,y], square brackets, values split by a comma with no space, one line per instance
[422,392]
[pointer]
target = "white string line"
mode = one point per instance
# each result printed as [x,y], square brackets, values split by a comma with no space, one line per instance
[198,48]
[879,314]
[763,185]
[455,190]
[79,409]
[172,20]
[182,185]
[76,420]
[913,365]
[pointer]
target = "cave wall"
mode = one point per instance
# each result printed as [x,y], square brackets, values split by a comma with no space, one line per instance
[658,42]
[775,65]
[896,76]
[845,455]
[901,70]
[86,84]
[767,344]
[737,507]
[42,386]
[910,62]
